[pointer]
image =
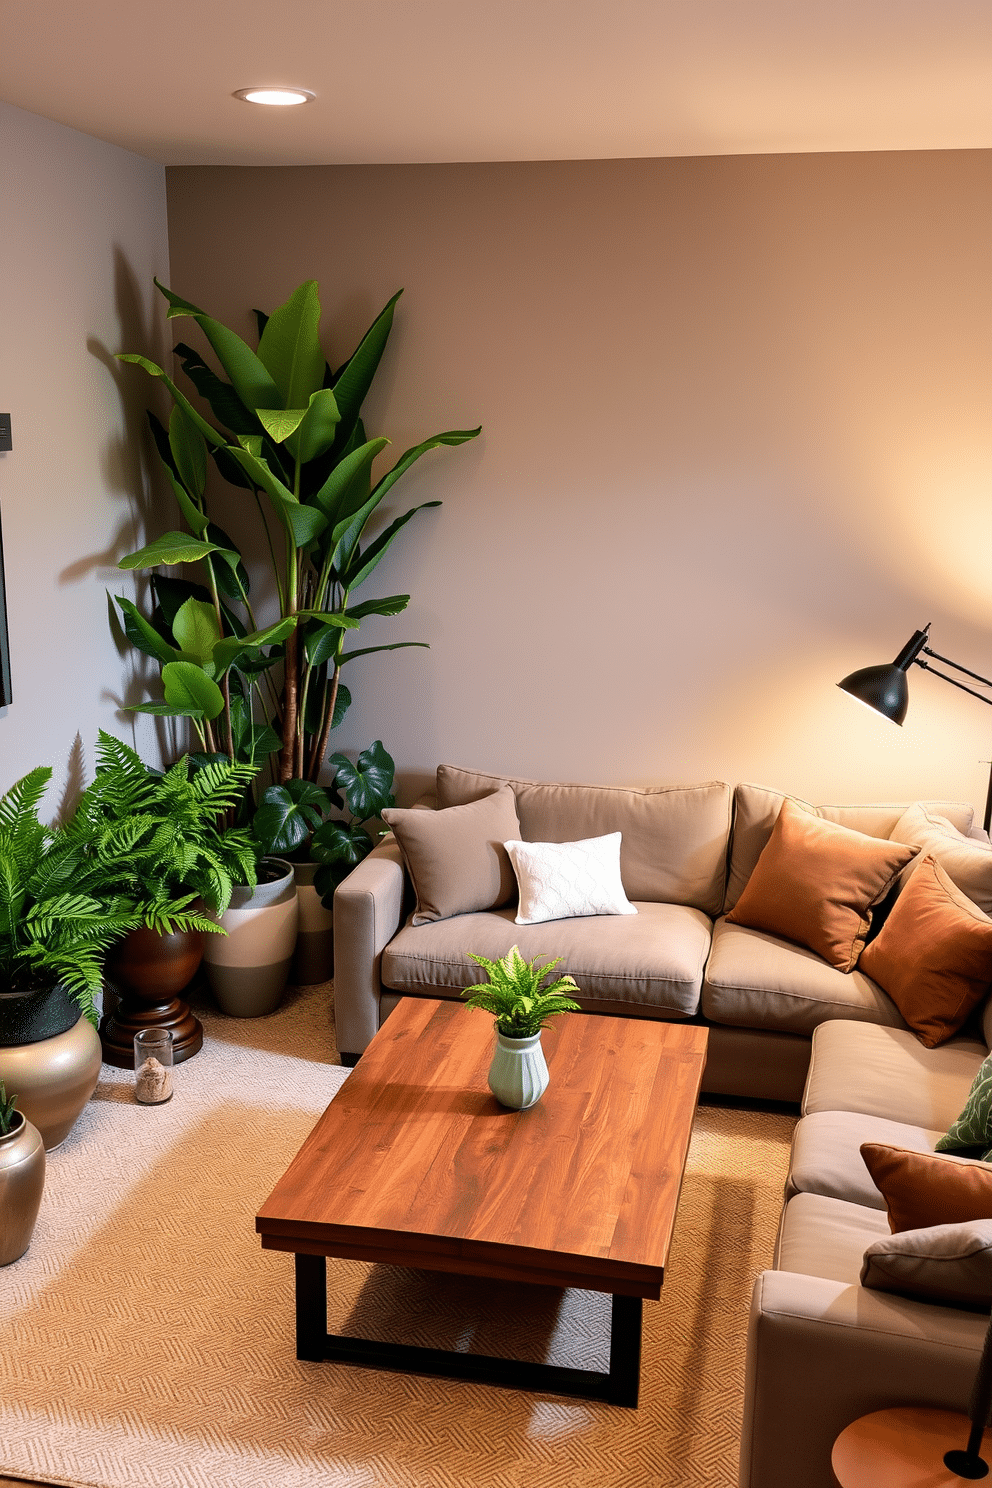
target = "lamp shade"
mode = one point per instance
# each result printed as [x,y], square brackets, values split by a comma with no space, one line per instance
[884,688]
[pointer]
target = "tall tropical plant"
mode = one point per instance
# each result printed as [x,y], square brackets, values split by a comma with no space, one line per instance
[289,434]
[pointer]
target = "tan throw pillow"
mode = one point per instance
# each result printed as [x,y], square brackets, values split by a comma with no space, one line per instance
[456,858]
[816,883]
[933,955]
[921,1189]
[967,861]
[948,1263]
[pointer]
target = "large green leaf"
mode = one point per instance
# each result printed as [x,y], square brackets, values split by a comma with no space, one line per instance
[196,631]
[189,451]
[226,405]
[368,783]
[171,548]
[323,635]
[280,423]
[350,482]
[288,813]
[195,517]
[172,593]
[355,378]
[370,650]
[249,376]
[337,847]
[229,652]
[290,348]
[187,686]
[305,523]
[450,437]
[143,635]
[391,604]
[317,430]
[209,434]
[362,564]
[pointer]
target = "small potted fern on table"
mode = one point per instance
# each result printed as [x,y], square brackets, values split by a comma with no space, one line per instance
[518,1075]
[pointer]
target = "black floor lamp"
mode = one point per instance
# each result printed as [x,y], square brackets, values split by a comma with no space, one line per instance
[886,688]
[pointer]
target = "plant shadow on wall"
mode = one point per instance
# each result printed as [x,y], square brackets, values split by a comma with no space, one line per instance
[289,438]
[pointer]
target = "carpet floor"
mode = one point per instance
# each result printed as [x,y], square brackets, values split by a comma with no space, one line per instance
[147,1341]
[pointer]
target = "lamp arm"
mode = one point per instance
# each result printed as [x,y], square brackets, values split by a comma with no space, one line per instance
[953,680]
[955,664]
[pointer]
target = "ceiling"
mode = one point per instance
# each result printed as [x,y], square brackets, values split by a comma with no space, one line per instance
[466,80]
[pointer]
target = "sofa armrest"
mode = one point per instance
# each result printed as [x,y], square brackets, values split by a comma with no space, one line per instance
[821,1353]
[368,911]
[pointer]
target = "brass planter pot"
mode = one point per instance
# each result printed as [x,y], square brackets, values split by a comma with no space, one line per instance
[22,1181]
[149,970]
[49,1058]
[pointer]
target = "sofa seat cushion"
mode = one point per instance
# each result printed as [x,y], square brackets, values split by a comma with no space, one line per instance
[826,1157]
[652,961]
[674,848]
[828,1237]
[756,980]
[887,1072]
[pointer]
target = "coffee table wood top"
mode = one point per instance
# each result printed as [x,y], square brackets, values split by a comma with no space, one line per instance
[414,1162]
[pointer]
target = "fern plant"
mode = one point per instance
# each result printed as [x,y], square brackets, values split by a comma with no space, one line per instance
[160,838]
[514,995]
[56,919]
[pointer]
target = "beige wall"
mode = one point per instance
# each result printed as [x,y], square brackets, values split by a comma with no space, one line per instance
[83,231]
[736,443]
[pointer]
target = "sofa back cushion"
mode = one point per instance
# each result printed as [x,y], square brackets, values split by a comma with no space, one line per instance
[674,838]
[756,810]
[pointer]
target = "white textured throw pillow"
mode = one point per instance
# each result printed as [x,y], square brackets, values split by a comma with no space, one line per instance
[562,880]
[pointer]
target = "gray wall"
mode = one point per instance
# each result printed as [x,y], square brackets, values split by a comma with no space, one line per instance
[737,443]
[82,232]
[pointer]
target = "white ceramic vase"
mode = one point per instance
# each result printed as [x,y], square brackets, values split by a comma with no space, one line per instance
[518,1075]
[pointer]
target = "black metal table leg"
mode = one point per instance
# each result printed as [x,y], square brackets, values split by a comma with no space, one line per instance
[625,1351]
[311,1307]
[619,1386]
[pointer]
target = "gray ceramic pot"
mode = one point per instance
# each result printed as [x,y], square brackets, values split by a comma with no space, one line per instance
[249,967]
[50,1059]
[22,1180]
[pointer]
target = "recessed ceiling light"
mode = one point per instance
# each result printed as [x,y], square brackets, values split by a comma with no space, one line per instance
[280,97]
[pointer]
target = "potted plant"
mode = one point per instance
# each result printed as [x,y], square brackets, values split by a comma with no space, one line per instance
[57,920]
[22,1179]
[288,430]
[248,967]
[161,839]
[518,1075]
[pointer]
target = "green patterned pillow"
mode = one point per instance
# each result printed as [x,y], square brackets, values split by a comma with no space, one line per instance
[973,1127]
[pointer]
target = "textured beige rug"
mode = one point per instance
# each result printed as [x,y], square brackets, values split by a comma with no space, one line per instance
[146,1340]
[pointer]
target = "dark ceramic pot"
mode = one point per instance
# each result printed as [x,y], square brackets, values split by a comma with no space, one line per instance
[148,971]
[49,1058]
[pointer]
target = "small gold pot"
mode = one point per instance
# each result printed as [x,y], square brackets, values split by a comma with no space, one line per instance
[22,1180]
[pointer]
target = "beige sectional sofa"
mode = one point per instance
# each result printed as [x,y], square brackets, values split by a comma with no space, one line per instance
[823,1348]
[686,855]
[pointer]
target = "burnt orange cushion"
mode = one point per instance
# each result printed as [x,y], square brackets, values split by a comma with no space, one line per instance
[816,882]
[933,955]
[921,1189]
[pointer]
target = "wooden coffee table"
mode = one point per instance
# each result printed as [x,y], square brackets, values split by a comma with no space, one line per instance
[414,1163]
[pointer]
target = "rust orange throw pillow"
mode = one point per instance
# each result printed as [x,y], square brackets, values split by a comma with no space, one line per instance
[933,955]
[921,1189]
[816,882]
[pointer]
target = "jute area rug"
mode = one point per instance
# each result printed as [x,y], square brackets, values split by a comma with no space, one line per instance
[146,1340]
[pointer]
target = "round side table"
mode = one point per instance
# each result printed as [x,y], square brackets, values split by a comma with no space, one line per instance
[904,1448]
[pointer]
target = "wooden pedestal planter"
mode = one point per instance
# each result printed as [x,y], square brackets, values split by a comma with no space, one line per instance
[149,970]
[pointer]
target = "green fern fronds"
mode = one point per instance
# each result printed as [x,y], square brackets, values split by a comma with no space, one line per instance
[514,995]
